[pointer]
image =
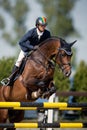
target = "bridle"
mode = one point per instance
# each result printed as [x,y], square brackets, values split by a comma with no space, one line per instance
[63,65]
[52,62]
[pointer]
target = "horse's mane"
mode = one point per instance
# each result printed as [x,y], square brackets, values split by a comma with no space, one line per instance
[62,41]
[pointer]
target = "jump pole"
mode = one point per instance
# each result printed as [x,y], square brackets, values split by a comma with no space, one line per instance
[43,125]
[60,109]
[44,105]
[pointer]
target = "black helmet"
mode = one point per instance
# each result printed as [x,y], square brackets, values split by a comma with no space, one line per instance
[41,21]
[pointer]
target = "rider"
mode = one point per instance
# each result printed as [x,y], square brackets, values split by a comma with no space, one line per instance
[30,41]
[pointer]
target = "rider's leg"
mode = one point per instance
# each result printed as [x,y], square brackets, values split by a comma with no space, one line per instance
[16,66]
[20,58]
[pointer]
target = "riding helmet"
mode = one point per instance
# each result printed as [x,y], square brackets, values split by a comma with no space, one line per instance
[41,21]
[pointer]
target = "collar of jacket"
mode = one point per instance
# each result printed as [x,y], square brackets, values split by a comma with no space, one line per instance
[39,33]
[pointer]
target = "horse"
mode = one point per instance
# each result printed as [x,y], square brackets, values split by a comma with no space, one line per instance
[36,80]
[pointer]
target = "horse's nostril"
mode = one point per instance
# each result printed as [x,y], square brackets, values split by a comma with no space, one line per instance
[67,73]
[69,64]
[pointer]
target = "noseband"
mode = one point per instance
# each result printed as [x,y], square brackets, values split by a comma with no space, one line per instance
[60,55]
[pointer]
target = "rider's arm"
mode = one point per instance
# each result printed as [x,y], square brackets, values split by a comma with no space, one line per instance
[25,43]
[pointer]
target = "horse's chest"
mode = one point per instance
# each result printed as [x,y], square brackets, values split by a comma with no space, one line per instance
[45,73]
[48,73]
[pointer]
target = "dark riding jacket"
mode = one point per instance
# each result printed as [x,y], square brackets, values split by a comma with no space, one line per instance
[30,39]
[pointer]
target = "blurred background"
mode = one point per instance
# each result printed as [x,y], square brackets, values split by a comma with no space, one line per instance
[66,19]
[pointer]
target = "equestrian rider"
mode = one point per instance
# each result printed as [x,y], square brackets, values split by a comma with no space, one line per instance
[30,41]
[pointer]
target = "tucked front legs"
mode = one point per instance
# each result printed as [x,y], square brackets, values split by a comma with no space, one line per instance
[50,90]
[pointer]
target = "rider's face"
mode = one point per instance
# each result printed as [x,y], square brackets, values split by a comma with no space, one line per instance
[41,28]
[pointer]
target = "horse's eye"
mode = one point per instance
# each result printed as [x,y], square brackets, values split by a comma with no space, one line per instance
[63,55]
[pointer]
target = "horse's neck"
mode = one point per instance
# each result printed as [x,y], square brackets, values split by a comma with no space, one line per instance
[51,48]
[46,51]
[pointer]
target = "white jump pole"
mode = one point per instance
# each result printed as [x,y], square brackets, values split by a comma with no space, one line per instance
[50,111]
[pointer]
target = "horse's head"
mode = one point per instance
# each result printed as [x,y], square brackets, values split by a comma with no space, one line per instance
[63,57]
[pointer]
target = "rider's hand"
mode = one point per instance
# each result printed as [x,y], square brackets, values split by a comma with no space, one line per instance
[35,47]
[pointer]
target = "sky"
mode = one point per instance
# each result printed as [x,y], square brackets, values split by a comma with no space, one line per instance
[79,15]
[80,22]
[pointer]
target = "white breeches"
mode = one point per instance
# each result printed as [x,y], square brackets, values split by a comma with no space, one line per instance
[20,58]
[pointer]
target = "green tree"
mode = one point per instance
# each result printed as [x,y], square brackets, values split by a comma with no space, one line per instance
[6,65]
[59,16]
[59,77]
[2,23]
[17,10]
[61,82]
[73,59]
[6,4]
[19,13]
[80,79]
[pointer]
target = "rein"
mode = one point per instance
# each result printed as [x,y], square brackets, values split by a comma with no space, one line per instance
[49,60]
[53,64]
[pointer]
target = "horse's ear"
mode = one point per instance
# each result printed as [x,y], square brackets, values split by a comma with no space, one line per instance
[71,44]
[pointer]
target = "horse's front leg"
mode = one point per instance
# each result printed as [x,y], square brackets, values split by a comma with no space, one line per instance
[50,90]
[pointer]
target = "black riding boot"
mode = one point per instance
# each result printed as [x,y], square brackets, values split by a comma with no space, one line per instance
[10,79]
[12,76]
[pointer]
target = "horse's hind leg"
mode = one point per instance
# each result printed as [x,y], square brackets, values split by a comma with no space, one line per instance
[15,116]
[3,116]
[11,119]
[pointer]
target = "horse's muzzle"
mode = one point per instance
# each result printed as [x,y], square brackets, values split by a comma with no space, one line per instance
[67,73]
[66,70]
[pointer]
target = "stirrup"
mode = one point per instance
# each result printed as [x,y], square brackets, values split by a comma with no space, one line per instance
[5,81]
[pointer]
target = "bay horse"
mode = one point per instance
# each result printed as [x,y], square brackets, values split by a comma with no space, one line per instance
[36,79]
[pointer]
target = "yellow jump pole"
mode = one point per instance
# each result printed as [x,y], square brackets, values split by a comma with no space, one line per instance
[44,125]
[61,108]
[44,105]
